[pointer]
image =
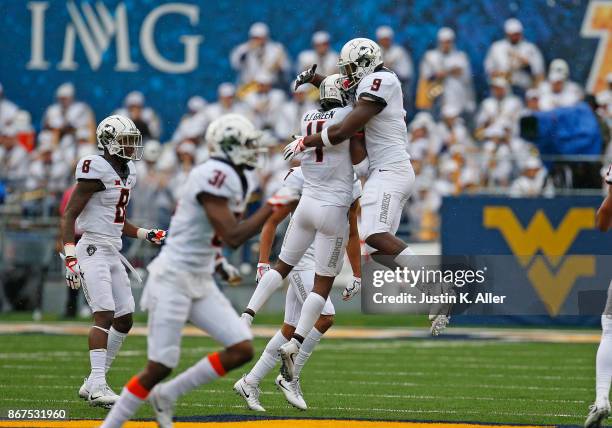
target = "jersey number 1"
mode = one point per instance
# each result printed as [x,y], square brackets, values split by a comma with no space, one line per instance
[318,150]
[120,208]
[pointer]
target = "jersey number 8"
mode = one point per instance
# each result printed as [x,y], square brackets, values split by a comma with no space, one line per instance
[120,208]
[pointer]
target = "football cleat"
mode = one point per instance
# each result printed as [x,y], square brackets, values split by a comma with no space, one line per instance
[162,406]
[438,324]
[597,413]
[83,391]
[250,394]
[292,391]
[288,352]
[102,396]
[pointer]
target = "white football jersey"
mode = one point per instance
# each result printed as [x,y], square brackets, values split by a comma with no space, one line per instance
[328,171]
[190,243]
[386,134]
[104,214]
[295,180]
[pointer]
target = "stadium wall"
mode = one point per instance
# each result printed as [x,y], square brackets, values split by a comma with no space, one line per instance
[173,50]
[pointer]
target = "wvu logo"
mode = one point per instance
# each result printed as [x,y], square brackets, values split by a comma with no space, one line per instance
[541,250]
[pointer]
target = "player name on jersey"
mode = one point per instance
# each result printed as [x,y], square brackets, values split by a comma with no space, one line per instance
[319,115]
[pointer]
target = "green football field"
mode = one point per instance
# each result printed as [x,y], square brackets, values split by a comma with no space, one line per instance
[414,379]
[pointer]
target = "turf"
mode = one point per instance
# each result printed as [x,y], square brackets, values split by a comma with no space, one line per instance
[439,380]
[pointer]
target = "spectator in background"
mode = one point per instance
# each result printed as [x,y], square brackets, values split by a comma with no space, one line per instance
[14,160]
[194,122]
[558,90]
[448,73]
[604,99]
[451,129]
[500,105]
[67,115]
[48,175]
[320,54]
[226,103]
[186,154]
[532,100]
[150,191]
[531,181]
[8,110]
[145,118]
[265,102]
[290,114]
[514,58]
[259,54]
[398,59]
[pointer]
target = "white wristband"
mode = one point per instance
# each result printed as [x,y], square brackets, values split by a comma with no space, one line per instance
[69,250]
[142,233]
[325,138]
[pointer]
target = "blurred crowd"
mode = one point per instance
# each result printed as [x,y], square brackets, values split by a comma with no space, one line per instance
[458,143]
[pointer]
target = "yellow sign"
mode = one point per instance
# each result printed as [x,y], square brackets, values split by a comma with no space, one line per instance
[554,273]
[597,22]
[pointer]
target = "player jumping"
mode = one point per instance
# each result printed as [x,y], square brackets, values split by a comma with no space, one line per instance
[181,287]
[600,410]
[301,281]
[98,207]
[379,110]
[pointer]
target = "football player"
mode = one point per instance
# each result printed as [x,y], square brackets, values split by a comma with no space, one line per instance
[180,286]
[600,410]
[319,219]
[301,281]
[378,109]
[98,207]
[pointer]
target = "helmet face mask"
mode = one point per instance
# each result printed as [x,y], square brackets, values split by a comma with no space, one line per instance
[119,136]
[358,58]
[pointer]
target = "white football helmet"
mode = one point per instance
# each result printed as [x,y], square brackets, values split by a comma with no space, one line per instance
[119,135]
[358,58]
[233,137]
[330,94]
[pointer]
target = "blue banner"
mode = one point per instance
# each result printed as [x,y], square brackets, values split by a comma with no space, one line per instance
[173,50]
[558,253]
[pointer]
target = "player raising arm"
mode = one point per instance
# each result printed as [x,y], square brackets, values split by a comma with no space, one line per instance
[98,207]
[181,287]
[301,281]
[379,110]
[600,410]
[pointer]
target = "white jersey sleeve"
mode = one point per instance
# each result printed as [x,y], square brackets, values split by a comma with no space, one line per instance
[379,87]
[608,176]
[218,179]
[294,179]
[95,167]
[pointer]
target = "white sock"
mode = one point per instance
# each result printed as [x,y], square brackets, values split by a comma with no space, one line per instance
[311,311]
[306,349]
[204,371]
[97,358]
[604,362]
[267,361]
[268,284]
[405,258]
[113,344]
[122,410]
